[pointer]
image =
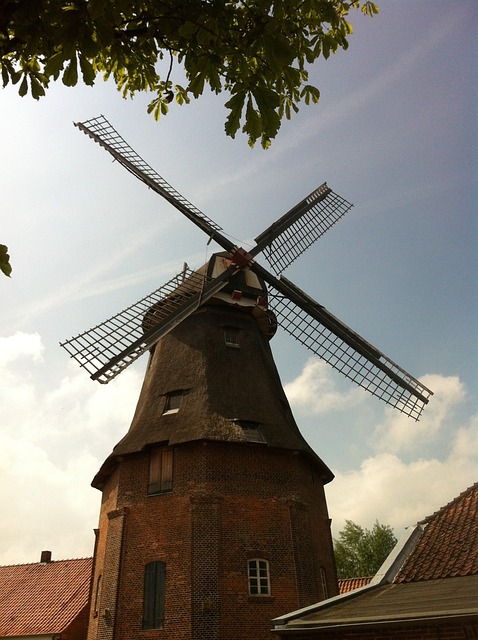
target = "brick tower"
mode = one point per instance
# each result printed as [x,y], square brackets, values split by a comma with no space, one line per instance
[213,518]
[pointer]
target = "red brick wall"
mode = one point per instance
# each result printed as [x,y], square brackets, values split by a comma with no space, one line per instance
[78,628]
[229,503]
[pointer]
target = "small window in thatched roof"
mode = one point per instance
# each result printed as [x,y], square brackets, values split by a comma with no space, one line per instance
[251,430]
[173,402]
[231,337]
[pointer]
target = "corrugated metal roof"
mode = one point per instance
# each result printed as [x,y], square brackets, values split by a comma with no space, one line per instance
[44,597]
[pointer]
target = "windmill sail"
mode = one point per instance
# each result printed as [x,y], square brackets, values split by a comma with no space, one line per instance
[288,238]
[102,132]
[283,242]
[108,348]
[346,351]
[105,350]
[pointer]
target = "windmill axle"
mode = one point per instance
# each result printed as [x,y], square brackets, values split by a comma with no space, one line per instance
[241,258]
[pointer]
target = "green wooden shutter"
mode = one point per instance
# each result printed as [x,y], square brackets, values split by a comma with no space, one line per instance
[154,595]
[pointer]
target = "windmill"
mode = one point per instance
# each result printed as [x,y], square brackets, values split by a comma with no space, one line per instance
[235,276]
[214,517]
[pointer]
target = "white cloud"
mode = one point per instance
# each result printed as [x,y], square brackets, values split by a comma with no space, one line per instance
[51,445]
[398,433]
[409,469]
[401,492]
[316,390]
[20,345]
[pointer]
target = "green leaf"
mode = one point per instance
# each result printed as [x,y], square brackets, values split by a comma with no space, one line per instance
[253,123]
[55,64]
[5,75]
[267,99]
[235,105]
[310,93]
[70,75]
[37,88]
[196,85]
[5,265]
[187,30]
[278,51]
[181,95]
[23,87]
[87,71]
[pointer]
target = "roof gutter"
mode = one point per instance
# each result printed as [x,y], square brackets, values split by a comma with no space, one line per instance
[364,625]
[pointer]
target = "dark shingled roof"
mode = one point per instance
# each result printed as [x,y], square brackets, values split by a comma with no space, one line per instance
[222,385]
[44,597]
[399,602]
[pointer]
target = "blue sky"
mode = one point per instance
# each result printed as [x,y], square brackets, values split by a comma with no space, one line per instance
[395,132]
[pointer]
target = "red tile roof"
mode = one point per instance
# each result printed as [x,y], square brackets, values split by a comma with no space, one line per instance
[43,598]
[350,584]
[449,544]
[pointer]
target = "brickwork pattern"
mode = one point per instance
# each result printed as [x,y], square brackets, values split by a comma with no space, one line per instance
[229,503]
[304,558]
[206,559]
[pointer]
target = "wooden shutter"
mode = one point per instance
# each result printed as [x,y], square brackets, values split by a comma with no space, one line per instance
[160,470]
[154,595]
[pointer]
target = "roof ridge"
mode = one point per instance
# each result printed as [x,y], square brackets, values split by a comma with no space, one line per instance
[29,564]
[447,506]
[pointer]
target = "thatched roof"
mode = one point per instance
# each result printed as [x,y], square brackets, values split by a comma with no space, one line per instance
[223,387]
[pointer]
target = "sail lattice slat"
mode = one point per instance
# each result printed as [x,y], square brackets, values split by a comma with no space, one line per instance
[377,378]
[308,221]
[100,130]
[102,344]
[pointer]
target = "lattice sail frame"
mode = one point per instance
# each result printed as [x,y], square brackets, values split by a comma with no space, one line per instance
[349,362]
[110,347]
[102,132]
[99,346]
[302,226]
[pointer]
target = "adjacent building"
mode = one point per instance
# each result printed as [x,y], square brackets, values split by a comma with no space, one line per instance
[46,600]
[427,588]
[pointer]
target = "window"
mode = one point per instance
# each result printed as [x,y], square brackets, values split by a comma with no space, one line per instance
[323,581]
[259,579]
[173,402]
[154,595]
[160,470]
[97,597]
[231,336]
[250,429]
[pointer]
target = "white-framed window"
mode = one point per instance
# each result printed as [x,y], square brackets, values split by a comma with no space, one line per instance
[259,577]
